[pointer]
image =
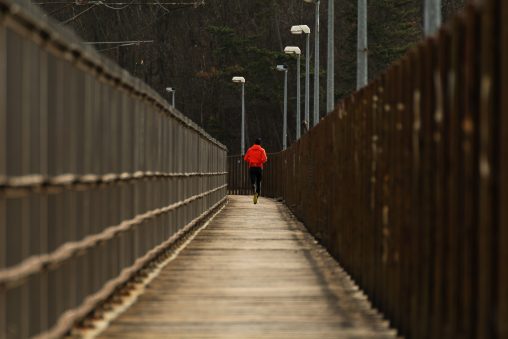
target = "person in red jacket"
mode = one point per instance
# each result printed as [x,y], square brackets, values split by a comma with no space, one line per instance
[256,157]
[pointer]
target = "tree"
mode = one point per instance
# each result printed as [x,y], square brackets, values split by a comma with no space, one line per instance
[198,50]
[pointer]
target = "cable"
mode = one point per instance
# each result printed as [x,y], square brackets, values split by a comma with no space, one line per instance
[161,6]
[115,42]
[114,47]
[117,8]
[144,28]
[118,3]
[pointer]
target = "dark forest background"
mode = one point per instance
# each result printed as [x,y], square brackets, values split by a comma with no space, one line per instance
[198,46]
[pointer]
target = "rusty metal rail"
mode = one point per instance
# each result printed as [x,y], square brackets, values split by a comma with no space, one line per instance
[98,174]
[406,182]
[238,176]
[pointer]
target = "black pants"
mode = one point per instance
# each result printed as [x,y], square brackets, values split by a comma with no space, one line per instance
[256,175]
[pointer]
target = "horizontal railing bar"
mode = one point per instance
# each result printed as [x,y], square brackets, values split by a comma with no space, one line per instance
[24,185]
[38,263]
[69,318]
[69,179]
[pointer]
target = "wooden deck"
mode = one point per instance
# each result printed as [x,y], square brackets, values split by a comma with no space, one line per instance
[254,272]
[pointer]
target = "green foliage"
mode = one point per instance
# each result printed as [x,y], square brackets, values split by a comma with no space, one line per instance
[237,55]
[394,26]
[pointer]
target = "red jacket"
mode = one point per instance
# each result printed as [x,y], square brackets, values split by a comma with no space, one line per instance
[255,156]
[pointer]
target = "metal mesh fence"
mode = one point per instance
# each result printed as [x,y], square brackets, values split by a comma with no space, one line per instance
[97,174]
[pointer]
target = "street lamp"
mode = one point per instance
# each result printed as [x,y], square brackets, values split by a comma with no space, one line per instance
[284,68]
[241,80]
[304,29]
[172,91]
[293,50]
[316,62]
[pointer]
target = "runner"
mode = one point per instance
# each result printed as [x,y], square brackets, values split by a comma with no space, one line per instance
[256,157]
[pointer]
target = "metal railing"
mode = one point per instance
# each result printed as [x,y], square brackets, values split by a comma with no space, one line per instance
[238,176]
[406,182]
[98,174]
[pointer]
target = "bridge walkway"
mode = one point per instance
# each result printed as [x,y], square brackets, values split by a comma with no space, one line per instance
[253,272]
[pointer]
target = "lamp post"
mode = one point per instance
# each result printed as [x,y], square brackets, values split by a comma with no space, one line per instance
[241,80]
[316,63]
[172,91]
[432,16]
[362,56]
[304,29]
[293,50]
[330,68]
[284,68]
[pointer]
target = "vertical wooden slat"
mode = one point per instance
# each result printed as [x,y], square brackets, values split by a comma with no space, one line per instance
[425,182]
[502,325]
[407,231]
[454,234]
[488,124]
[469,176]
[416,252]
[398,187]
[440,115]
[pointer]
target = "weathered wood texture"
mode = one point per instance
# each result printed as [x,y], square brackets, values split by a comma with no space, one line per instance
[254,272]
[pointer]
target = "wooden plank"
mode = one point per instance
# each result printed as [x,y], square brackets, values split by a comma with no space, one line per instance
[254,272]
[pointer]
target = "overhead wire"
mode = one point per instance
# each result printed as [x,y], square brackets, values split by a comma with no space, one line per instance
[154,21]
[161,6]
[114,47]
[124,5]
[121,3]
[110,6]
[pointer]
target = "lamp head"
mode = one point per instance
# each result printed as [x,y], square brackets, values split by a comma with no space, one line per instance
[297,30]
[170,89]
[238,80]
[305,29]
[282,68]
[311,1]
[300,29]
[292,50]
